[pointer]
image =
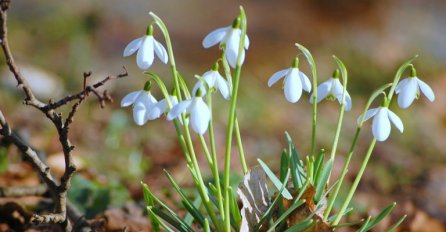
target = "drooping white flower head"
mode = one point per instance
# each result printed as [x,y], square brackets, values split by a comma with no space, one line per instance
[409,88]
[199,112]
[146,46]
[332,89]
[382,117]
[144,105]
[293,83]
[213,79]
[229,36]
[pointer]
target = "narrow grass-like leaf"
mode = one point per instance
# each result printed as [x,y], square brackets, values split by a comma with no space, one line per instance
[318,165]
[285,193]
[206,227]
[189,218]
[364,226]
[182,227]
[284,165]
[186,202]
[149,202]
[397,224]
[159,222]
[381,216]
[333,217]
[277,199]
[322,182]
[297,170]
[236,218]
[161,85]
[307,223]
[183,86]
[175,217]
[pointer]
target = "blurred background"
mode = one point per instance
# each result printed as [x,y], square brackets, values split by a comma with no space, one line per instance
[54,42]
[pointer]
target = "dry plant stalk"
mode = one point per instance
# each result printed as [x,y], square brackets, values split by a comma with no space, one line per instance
[56,188]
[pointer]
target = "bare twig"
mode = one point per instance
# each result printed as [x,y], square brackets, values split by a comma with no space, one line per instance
[57,189]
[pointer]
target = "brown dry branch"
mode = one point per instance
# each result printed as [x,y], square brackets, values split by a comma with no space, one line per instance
[57,188]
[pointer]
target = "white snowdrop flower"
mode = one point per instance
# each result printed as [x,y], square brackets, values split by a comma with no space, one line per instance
[382,117]
[409,88]
[199,112]
[213,80]
[293,83]
[229,36]
[146,46]
[332,89]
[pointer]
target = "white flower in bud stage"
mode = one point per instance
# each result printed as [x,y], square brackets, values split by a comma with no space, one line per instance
[213,79]
[332,89]
[230,36]
[146,46]
[144,106]
[409,89]
[293,83]
[382,117]
[199,112]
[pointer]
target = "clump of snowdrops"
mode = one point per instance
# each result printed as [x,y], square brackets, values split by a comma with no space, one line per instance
[304,196]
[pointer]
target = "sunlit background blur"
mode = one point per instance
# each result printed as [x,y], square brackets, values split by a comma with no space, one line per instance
[54,42]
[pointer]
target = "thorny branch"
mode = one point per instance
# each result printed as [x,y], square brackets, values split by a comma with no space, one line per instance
[57,189]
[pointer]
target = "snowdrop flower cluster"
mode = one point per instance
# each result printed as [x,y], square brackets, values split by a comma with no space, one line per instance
[213,79]
[146,46]
[294,82]
[229,37]
[382,117]
[409,88]
[199,112]
[144,105]
[332,89]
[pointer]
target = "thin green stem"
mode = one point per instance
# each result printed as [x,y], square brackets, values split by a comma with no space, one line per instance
[240,147]
[173,67]
[231,120]
[200,183]
[355,183]
[206,151]
[214,160]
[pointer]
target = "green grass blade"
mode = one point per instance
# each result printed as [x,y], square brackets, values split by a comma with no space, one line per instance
[322,182]
[364,226]
[285,193]
[159,222]
[397,224]
[301,226]
[186,202]
[381,216]
[285,215]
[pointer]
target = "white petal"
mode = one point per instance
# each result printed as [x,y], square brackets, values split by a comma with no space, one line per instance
[178,109]
[222,85]
[306,84]
[199,116]
[161,51]
[210,77]
[133,46]
[322,91]
[130,98]
[215,37]
[144,58]
[407,93]
[348,102]
[370,113]
[396,121]
[246,42]
[400,85]
[277,76]
[293,86]
[231,56]
[427,91]
[153,113]
[381,125]
[336,88]
[139,113]
[162,106]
